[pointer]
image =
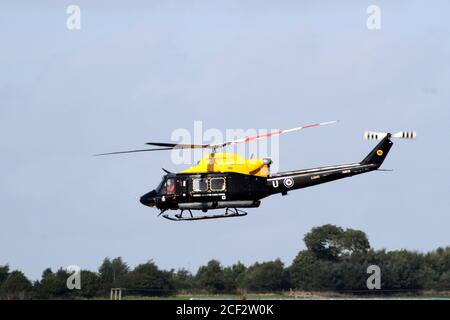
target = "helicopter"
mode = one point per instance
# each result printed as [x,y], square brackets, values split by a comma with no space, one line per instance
[231,182]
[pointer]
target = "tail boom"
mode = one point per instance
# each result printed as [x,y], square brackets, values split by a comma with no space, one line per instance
[283,182]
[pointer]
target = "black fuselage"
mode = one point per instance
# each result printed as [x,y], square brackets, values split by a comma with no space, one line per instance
[234,190]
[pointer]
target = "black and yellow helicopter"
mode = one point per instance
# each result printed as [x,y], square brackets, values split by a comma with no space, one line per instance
[231,182]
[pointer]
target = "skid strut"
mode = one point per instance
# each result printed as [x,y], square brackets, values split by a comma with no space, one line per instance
[229,213]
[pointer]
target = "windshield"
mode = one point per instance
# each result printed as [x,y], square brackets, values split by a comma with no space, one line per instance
[160,185]
[166,186]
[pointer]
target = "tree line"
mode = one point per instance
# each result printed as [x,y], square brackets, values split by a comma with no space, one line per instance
[334,260]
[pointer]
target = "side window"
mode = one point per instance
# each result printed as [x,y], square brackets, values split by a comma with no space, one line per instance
[181,183]
[217,184]
[199,185]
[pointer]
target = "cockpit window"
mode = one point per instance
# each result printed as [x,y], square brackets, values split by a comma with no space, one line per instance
[160,185]
[166,186]
[170,186]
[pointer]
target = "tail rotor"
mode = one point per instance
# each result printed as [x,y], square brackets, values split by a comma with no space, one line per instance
[379,153]
[372,135]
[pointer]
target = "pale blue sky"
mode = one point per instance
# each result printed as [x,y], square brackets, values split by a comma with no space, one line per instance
[134,73]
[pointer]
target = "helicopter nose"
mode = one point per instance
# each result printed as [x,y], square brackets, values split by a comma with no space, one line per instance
[148,199]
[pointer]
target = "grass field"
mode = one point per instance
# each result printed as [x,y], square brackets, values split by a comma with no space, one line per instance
[293,295]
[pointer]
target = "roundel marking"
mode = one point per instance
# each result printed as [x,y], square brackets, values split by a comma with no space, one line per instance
[379,152]
[288,182]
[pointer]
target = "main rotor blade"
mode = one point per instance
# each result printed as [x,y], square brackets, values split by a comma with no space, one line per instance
[171,146]
[131,151]
[276,133]
[178,145]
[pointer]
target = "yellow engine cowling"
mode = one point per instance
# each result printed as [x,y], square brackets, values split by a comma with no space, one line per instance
[231,162]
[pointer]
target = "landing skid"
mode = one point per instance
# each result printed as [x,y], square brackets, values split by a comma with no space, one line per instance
[229,213]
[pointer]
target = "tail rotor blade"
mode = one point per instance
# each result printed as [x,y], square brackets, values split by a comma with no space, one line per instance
[405,135]
[372,135]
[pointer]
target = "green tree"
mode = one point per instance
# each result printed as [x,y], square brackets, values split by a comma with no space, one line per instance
[47,287]
[401,270]
[233,276]
[4,272]
[266,277]
[90,284]
[210,277]
[324,241]
[147,279]
[354,241]
[348,275]
[436,265]
[335,259]
[311,273]
[52,285]
[183,280]
[302,270]
[106,273]
[331,242]
[112,273]
[16,286]
[444,281]
[120,270]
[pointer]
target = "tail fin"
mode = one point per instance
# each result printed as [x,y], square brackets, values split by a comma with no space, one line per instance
[379,153]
